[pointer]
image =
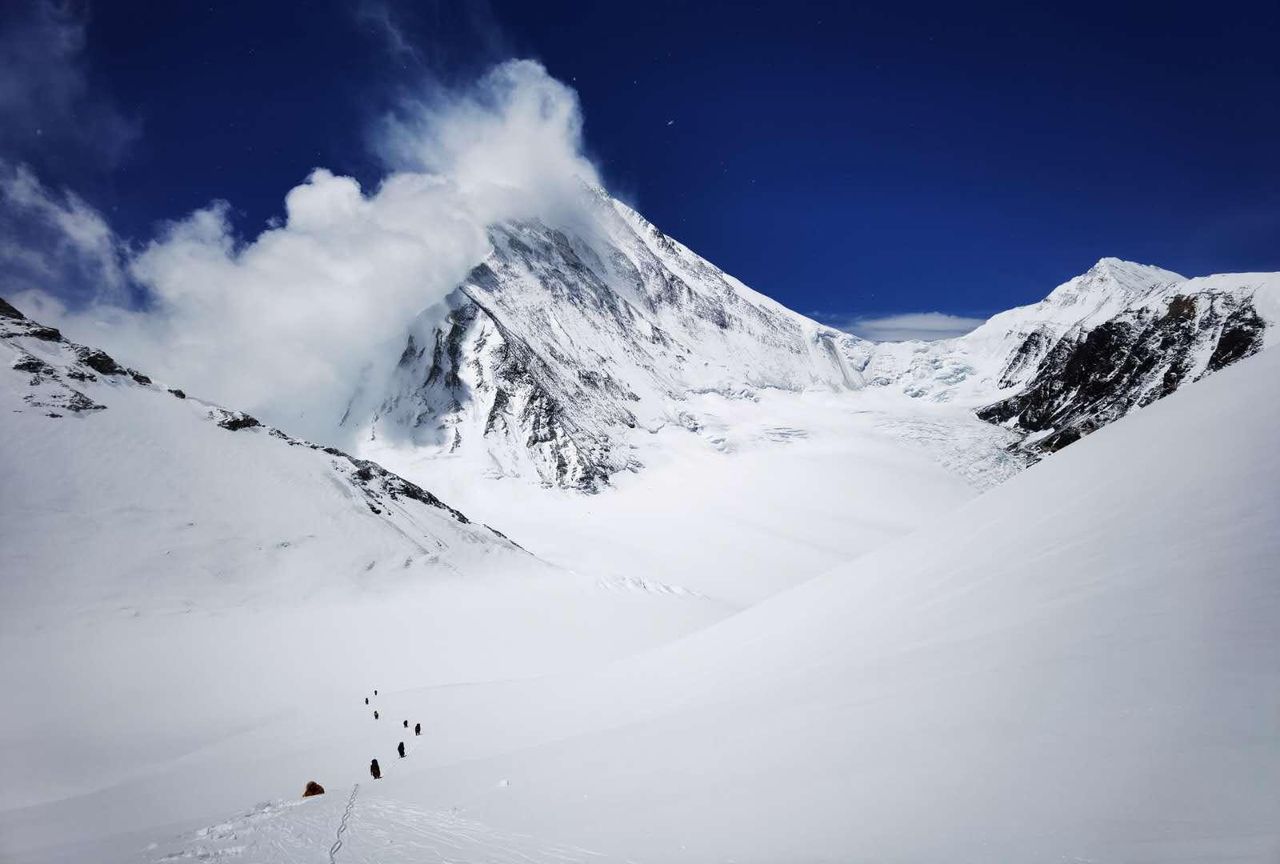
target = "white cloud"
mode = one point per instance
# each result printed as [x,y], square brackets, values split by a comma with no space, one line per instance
[926,326]
[512,143]
[288,324]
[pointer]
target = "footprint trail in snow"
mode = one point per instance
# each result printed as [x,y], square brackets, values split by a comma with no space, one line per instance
[377,831]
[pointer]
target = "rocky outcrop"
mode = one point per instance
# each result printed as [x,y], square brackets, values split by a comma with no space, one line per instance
[1092,377]
[1099,346]
[479,380]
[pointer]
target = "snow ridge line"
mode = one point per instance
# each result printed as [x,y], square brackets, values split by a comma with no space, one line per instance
[337,843]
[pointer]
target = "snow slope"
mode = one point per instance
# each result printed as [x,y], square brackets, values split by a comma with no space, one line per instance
[1080,664]
[173,575]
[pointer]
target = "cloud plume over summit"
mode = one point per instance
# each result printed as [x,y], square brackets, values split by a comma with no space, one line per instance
[289,322]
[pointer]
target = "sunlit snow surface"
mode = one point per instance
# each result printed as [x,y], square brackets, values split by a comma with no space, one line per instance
[755,495]
[1079,664]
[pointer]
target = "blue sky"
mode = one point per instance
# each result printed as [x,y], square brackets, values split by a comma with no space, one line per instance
[852,161]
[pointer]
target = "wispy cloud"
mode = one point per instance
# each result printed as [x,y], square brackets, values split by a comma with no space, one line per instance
[46,100]
[902,327]
[378,18]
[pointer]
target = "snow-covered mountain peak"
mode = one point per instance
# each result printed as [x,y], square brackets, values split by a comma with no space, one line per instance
[1120,272]
[566,338]
[571,338]
[1003,355]
[1103,290]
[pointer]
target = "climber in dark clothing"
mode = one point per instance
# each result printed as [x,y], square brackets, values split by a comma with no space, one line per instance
[401,749]
[417,728]
[366,700]
[375,715]
[406,724]
[375,770]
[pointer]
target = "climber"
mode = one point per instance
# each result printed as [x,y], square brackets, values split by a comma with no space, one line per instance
[375,770]
[375,715]
[401,749]
[366,700]
[417,728]
[406,724]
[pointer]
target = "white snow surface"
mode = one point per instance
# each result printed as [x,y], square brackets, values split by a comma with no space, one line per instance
[1079,664]
[167,584]
[741,497]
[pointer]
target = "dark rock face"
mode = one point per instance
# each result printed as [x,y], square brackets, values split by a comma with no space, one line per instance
[513,387]
[27,363]
[47,334]
[14,323]
[101,362]
[377,482]
[1241,337]
[63,399]
[237,420]
[7,311]
[1029,355]
[1091,378]
[78,402]
[313,788]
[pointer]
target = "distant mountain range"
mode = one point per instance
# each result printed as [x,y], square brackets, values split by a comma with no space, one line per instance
[567,342]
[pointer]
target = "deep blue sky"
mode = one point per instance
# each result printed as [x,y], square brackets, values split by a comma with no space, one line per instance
[863,160]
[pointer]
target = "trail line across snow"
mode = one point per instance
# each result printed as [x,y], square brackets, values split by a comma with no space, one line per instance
[342,826]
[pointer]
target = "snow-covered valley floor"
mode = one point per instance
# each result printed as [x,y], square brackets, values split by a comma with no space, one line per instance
[755,495]
[800,634]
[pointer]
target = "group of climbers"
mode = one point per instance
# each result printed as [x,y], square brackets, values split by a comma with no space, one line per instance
[374,769]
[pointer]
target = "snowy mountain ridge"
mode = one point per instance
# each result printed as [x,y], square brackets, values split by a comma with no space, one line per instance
[70,400]
[552,351]
[568,342]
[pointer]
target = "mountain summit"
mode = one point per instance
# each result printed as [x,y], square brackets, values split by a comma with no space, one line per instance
[565,341]
[568,341]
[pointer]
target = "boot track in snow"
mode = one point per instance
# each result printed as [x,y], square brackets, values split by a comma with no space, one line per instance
[337,843]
